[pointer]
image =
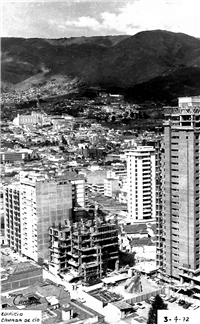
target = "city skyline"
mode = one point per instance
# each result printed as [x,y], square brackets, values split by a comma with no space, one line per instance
[58,19]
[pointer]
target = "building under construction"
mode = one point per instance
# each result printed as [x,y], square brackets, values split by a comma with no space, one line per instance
[85,249]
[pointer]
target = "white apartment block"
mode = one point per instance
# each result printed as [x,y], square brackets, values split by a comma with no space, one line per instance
[33,119]
[141,183]
[111,186]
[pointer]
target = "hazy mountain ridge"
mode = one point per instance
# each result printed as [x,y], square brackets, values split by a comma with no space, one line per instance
[121,61]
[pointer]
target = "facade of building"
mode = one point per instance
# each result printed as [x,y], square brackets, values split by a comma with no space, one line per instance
[111,186]
[24,275]
[158,146]
[43,202]
[86,249]
[36,202]
[181,192]
[31,206]
[97,187]
[12,221]
[13,156]
[33,119]
[141,183]
[79,192]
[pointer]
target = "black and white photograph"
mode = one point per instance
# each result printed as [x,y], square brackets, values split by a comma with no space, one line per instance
[100,161]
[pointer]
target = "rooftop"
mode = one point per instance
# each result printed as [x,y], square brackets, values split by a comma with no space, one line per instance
[135,229]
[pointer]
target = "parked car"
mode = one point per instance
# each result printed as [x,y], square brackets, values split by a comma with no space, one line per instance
[172,299]
[181,302]
[140,305]
[187,305]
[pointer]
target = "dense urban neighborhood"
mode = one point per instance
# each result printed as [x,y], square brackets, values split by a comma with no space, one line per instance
[100,162]
[84,230]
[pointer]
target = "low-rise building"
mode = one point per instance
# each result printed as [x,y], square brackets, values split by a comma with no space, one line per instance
[12,156]
[20,275]
[111,186]
[33,119]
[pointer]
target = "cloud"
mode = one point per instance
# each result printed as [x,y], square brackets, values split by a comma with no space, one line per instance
[178,16]
[83,22]
[135,16]
[80,18]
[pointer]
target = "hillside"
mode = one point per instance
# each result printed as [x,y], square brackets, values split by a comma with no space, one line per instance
[120,61]
[166,89]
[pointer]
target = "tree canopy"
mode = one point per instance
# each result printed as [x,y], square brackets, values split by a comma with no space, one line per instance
[153,311]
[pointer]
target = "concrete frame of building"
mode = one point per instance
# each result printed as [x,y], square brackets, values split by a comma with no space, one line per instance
[84,248]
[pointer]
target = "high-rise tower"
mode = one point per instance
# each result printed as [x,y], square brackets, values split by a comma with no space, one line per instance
[181,191]
[31,207]
[141,183]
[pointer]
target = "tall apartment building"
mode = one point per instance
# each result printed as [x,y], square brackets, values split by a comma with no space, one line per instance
[181,192]
[86,249]
[158,146]
[43,202]
[141,183]
[12,222]
[31,207]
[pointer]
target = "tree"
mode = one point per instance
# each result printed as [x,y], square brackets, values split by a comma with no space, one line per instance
[153,311]
[126,258]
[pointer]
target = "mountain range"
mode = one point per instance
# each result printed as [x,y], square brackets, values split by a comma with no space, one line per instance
[151,63]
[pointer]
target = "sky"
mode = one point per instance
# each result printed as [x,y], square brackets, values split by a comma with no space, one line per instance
[58,19]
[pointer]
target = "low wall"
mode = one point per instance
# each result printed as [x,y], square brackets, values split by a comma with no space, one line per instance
[144,297]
